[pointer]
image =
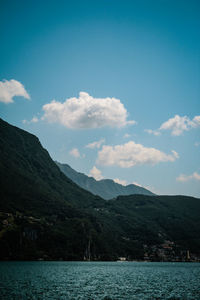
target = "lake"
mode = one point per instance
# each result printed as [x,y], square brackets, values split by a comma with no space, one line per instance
[99,280]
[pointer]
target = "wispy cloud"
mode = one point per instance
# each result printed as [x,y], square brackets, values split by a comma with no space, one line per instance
[131,154]
[11,88]
[154,132]
[96,144]
[87,112]
[136,183]
[75,153]
[184,178]
[197,144]
[33,120]
[126,135]
[96,173]
[148,187]
[177,125]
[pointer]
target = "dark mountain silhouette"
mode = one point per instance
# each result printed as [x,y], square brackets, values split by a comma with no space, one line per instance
[45,215]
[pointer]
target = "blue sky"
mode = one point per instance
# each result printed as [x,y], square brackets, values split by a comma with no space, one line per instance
[133,61]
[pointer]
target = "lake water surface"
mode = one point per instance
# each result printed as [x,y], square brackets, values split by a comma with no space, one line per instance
[99,280]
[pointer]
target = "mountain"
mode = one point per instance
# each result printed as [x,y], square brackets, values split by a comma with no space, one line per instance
[45,215]
[105,188]
[41,210]
[28,172]
[166,224]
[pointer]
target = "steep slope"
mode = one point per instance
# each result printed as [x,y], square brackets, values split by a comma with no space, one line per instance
[44,215]
[42,212]
[105,188]
[28,173]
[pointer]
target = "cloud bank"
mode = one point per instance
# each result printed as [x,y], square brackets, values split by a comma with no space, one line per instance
[184,178]
[87,112]
[131,154]
[10,89]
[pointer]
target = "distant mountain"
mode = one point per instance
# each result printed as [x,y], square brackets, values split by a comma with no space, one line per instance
[105,188]
[45,215]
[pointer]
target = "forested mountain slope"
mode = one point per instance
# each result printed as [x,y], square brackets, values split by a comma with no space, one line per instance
[44,215]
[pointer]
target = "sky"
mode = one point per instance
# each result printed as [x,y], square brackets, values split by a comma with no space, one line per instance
[110,87]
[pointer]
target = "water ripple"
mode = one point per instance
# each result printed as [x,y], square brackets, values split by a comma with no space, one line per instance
[99,280]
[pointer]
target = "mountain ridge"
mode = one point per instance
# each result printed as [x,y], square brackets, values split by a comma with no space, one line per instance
[105,188]
[45,215]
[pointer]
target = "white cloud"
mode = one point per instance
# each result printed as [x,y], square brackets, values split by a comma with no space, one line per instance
[152,189]
[154,132]
[184,178]
[196,121]
[131,154]
[177,125]
[75,152]
[96,144]
[96,173]
[87,112]
[148,187]
[10,89]
[33,120]
[122,182]
[134,182]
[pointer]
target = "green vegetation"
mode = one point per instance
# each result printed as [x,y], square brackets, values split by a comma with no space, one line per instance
[44,215]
